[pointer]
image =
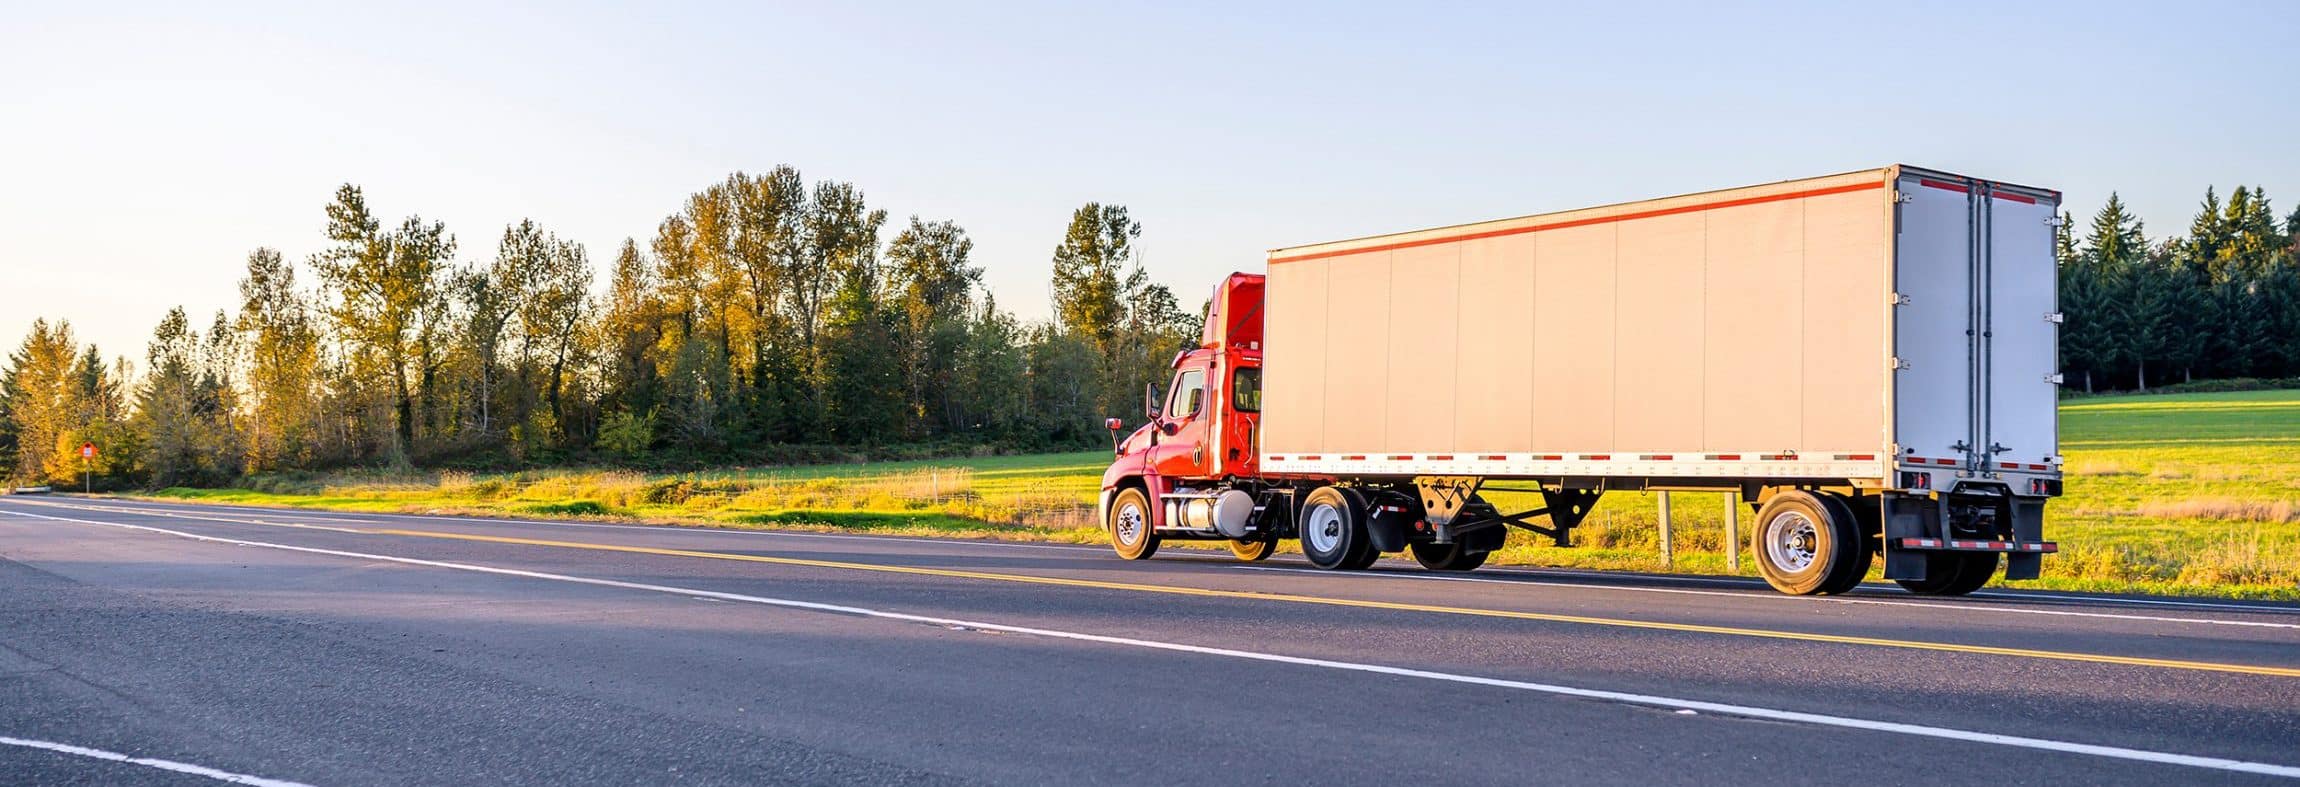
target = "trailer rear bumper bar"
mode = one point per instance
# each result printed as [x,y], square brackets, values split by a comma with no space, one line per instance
[1967,545]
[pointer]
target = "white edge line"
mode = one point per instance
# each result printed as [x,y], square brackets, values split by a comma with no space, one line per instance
[1649,700]
[1806,599]
[149,762]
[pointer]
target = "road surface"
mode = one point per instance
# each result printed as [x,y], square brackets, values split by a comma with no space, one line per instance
[212,642]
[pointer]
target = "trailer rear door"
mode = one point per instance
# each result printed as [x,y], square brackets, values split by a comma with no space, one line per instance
[1975,328]
[1933,348]
[2022,340]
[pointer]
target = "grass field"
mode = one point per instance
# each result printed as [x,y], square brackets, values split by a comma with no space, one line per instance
[2182,494]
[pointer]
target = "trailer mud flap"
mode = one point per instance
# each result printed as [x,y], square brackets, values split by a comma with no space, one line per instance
[2028,526]
[1387,522]
[1910,517]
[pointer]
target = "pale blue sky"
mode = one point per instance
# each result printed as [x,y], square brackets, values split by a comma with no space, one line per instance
[145,150]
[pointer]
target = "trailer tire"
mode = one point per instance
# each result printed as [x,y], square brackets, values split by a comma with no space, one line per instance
[1952,573]
[1848,576]
[1131,532]
[1801,542]
[1446,557]
[1332,530]
[1251,551]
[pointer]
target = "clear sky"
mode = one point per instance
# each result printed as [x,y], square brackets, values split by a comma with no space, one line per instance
[146,148]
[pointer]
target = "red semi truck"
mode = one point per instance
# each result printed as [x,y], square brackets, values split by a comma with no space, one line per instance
[1868,359]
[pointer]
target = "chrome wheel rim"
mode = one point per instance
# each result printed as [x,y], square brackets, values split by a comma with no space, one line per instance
[1322,532]
[1792,541]
[1128,528]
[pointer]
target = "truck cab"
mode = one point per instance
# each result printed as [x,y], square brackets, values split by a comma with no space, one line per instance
[1186,472]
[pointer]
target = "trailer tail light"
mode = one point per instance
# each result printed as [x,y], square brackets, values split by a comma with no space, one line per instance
[1916,480]
[2044,487]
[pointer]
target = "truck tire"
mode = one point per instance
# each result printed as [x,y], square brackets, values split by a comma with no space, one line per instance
[1801,542]
[1251,551]
[1952,573]
[1446,557]
[1849,576]
[1131,534]
[1332,530]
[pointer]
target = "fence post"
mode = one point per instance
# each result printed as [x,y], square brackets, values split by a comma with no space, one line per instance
[1733,532]
[1667,558]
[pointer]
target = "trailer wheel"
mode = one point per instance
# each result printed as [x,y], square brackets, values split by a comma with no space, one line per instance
[1952,573]
[1446,557]
[1251,551]
[1130,532]
[1856,567]
[1802,542]
[1333,530]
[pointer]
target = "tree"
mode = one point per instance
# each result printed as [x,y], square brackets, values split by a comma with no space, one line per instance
[1090,266]
[931,285]
[44,403]
[388,288]
[184,408]
[283,356]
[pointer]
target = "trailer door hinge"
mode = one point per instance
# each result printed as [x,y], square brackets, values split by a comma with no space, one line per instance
[2054,221]
[1899,364]
[2055,378]
[1903,196]
[2054,317]
[1896,299]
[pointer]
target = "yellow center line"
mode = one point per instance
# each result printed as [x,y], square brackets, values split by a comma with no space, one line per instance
[1990,650]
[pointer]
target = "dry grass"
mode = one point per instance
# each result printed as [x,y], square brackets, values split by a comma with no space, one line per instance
[2270,511]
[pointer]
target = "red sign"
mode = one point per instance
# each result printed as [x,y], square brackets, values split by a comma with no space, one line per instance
[87,450]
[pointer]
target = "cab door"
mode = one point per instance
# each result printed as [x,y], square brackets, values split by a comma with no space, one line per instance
[1185,423]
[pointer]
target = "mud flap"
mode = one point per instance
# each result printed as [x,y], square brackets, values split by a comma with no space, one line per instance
[1387,523]
[2028,527]
[1910,517]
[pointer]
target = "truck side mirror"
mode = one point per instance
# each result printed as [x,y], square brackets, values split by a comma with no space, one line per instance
[1150,401]
[1113,425]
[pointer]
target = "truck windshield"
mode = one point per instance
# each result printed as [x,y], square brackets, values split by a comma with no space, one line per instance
[1246,390]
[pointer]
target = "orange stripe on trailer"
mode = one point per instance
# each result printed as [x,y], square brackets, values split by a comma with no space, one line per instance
[1647,214]
[1941,184]
[1494,458]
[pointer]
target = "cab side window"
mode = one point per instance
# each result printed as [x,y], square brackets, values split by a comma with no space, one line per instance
[1189,394]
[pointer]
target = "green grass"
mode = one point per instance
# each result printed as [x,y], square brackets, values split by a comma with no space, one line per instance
[2193,494]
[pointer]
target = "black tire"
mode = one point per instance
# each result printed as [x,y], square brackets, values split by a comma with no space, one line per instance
[1953,573]
[1251,551]
[1136,540]
[1446,557]
[1848,576]
[1332,530]
[1800,542]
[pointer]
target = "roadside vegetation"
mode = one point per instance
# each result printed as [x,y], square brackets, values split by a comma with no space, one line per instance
[2177,494]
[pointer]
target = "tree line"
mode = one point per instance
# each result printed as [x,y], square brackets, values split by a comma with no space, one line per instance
[768,319]
[2222,301]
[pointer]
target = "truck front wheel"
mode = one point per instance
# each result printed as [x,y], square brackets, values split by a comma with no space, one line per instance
[1130,532]
[1333,530]
[1803,542]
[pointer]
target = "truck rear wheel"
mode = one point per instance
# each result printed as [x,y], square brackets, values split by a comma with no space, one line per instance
[1856,567]
[1952,573]
[1333,530]
[1801,543]
[1446,557]
[1251,551]
[1130,531]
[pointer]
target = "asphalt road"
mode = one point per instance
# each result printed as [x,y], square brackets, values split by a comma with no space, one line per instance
[328,648]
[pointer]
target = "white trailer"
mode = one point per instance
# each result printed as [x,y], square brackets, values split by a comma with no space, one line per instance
[1868,357]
